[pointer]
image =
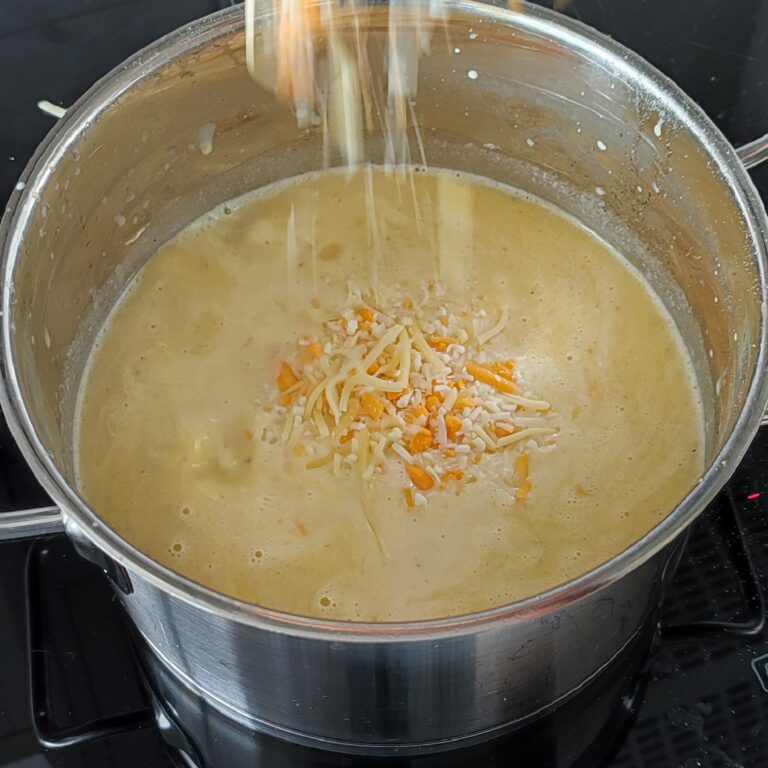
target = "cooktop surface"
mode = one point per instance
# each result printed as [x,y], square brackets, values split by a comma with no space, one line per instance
[71,692]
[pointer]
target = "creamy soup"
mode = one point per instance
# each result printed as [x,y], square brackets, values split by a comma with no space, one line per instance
[387,396]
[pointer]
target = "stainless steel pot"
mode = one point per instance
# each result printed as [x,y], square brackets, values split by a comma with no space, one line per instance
[556,109]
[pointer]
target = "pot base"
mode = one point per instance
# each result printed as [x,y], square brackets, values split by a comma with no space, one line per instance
[578,731]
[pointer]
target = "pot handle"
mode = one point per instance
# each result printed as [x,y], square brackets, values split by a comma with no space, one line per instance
[30,523]
[754,153]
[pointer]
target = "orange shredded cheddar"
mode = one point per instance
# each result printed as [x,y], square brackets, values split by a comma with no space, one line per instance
[452,424]
[371,405]
[487,376]
[421,441]
[420,477]
[352,420]
[412,414]
[523,490]
[452,474]
[440,343]
[330,251]
[503,369]
[249,434]
[521,472]
[286,378]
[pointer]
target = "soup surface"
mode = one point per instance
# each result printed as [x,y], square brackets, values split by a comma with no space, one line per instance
[386,396]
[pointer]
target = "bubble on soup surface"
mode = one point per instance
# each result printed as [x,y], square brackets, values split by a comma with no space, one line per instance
[177,549]
[256,555]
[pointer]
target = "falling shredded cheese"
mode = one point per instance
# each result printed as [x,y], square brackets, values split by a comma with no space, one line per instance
[395,389]
[313,55]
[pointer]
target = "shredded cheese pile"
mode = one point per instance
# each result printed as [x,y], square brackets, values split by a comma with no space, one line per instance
[407,389]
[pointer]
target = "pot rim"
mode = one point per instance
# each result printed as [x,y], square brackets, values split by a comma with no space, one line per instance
[81,519]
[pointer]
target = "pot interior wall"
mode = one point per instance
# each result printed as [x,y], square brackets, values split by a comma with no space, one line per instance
[546,113]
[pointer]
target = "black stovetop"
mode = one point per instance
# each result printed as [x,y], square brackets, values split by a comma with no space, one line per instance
[67,672]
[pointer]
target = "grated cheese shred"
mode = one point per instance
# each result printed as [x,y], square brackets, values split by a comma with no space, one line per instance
[392,389]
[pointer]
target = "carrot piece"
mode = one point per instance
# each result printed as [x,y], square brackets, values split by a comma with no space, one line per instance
[371,405]
[421,441]
[286,377]
[409,501]
[365,314]
[487,376]
[420,477]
